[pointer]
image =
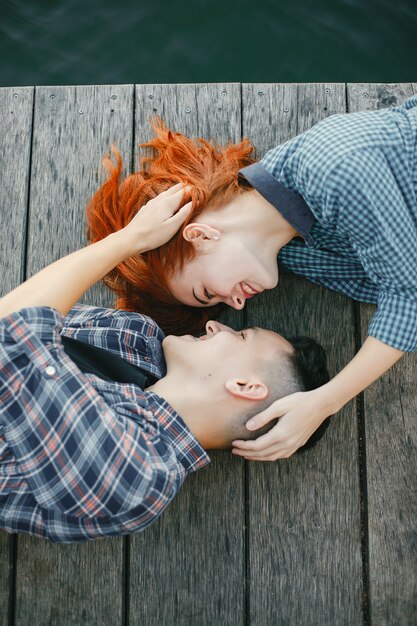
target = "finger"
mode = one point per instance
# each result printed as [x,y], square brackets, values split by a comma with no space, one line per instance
[271,454]
[172,203]
[181,214]
[183,193]
[260,443]
[275,456]
[259,420]
[262,454]
[173,189]
[248,458]
[180,188]
[260,457]
[267,450]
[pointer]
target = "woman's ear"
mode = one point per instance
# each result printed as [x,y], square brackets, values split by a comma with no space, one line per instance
[200,235]
[248,390]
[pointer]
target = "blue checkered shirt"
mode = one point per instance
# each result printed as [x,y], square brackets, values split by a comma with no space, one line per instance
[80,457]
[357,174]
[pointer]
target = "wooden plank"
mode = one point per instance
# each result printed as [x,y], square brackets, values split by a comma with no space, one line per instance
[4,577]
[189,567]
[16,106]
[74,126]
[304,512]
[15,140]
[391,450]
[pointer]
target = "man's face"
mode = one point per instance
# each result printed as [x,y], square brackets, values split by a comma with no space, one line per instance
[223,352]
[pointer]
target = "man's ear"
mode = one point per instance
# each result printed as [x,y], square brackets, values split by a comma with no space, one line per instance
[247,389]
[202,236]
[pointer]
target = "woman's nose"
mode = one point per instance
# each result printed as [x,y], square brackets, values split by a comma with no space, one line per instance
[237,302]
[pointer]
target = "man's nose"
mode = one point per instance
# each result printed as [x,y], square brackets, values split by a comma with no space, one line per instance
[213,327]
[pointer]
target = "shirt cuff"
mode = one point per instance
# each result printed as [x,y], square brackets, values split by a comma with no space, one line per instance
[395,322]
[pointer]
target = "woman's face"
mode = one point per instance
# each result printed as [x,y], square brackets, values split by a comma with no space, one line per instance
[231,269]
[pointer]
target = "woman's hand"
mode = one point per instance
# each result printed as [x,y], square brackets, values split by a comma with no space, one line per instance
[158,220]
[300,415]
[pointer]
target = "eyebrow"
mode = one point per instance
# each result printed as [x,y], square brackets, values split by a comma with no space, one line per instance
[198,299]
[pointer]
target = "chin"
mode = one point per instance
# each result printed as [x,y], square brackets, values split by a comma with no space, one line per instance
[174,345]
[174,339]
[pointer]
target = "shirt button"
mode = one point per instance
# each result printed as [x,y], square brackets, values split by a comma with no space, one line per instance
[50,370]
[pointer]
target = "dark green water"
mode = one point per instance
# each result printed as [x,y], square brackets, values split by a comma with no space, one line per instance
[102,41]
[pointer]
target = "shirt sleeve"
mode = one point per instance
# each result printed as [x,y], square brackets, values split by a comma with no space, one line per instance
[78,454]
[366,203]
[326,268]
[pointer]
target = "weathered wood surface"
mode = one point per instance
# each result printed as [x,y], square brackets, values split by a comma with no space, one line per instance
[243,543]
[390,407]
[194,557]
[301,506]
[73,127]
[16,107]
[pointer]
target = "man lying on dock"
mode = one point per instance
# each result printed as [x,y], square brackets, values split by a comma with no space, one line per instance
[100,425]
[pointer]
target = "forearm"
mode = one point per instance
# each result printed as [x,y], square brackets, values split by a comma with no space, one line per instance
[372,360]
[61,284]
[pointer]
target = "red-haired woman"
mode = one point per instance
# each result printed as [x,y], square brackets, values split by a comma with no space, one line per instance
[188,272]
[339,205]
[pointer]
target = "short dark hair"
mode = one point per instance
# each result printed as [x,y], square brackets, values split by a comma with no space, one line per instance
[302,370]
[310,362]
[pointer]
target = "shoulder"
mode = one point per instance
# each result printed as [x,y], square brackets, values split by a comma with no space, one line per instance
[304,163]
[89,316]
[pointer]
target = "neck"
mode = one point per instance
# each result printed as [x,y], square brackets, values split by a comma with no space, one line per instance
[250,213]
[275,226]
[199,413]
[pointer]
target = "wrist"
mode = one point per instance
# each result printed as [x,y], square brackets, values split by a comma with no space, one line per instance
[328,401]
[126,243]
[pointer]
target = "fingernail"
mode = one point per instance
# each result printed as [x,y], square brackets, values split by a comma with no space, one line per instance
[251,424]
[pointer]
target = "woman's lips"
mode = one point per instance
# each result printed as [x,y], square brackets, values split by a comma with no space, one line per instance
[246,293]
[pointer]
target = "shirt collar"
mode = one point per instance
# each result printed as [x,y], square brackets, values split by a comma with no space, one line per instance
[290,204]
[189,451]
[154,345]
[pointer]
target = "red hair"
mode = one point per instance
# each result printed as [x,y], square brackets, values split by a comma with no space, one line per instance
[140,282]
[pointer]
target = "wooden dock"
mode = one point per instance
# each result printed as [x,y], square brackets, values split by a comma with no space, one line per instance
[324,538]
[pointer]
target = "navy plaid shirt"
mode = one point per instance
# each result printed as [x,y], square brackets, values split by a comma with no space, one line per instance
[349,186]
[80,457]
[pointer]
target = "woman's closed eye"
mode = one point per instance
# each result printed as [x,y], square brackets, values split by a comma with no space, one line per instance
[208,295]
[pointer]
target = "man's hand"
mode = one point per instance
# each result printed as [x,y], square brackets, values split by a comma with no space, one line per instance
[61,284]
[300,415]
[158,220]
